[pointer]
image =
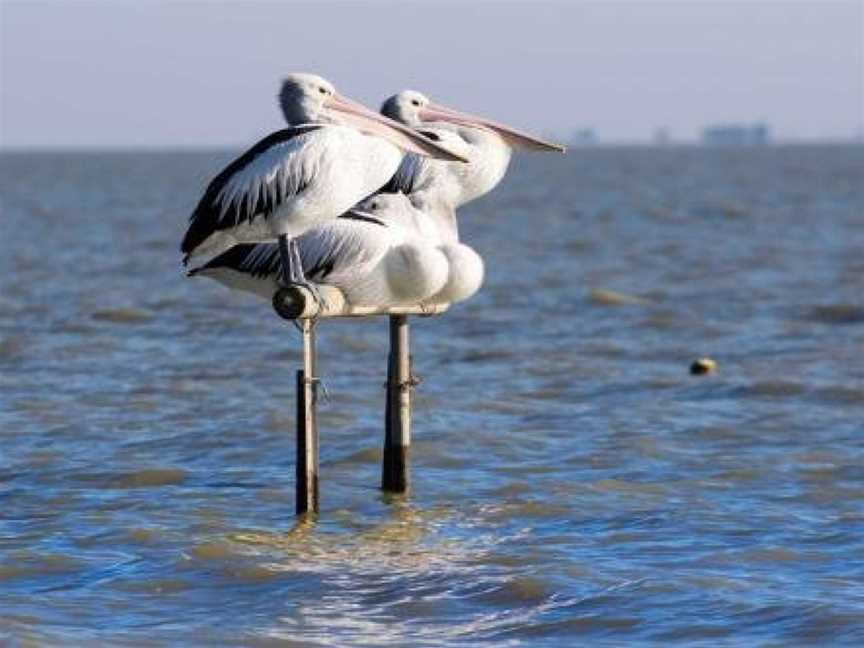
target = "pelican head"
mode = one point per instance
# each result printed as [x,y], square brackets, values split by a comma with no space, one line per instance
[309,98]
[415,109]
[408,213]
[303,97]
[389,208]
[405,107]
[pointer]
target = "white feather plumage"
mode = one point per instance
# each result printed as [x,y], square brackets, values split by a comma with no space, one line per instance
[309,179]
[383,263]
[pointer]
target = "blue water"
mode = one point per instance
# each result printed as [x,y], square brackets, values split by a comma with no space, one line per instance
[573,484]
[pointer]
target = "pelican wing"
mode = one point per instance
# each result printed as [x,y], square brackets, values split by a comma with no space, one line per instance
[407,176]
[253,185]
[341,250]
[258,260]
[332,253]
[415,173]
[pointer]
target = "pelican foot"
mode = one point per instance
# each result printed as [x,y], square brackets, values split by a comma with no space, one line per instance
[320,302]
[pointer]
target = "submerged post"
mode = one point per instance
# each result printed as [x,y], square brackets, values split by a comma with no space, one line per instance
[299,303]
[395,473]
[307,425]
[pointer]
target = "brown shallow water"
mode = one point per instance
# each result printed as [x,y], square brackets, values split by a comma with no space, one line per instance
[572,483]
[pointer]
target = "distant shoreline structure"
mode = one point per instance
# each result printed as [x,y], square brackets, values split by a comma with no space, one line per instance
[723,134]
[757,134]
[698,143]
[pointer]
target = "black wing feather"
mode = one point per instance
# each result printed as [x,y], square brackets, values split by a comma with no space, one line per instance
[255,259]
[262,260]
[407,176]
[206,219]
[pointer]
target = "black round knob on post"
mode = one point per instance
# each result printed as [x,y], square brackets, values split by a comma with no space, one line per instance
[289,303]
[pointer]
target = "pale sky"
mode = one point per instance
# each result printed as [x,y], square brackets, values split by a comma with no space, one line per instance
[172,74]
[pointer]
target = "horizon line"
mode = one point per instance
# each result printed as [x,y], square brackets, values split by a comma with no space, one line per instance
[574,142]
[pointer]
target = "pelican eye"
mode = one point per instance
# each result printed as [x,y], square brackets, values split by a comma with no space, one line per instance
[374,205]
[322,90]
[415,102]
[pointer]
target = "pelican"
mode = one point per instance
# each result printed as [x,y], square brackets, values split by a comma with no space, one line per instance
[372,253]
[431,214]
[487,144]
[438,188]
[334,153]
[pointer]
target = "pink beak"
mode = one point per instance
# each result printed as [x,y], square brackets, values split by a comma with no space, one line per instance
[405,138]
[513,137]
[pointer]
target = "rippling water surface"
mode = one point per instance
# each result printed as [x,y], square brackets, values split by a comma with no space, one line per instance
[573,484]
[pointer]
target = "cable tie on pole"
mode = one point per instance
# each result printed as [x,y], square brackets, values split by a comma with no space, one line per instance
[412,381]
[325,393]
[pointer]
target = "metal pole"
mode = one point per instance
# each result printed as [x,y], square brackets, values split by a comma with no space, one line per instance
[307,426]
[395,471]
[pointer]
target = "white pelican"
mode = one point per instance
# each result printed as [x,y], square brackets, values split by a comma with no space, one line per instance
[438,188]
[487,144]
[432,216]
[335,153]
[372,253]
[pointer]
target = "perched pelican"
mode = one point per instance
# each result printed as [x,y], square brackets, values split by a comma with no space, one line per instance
[432,216]
[487,144]
[334,153]
[372,253]
[427,214]
[438,188]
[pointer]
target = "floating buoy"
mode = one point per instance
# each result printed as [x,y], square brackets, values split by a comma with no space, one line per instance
[702,366]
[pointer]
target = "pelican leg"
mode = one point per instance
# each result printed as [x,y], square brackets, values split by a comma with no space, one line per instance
[299,275]
[288,270]
[297,264]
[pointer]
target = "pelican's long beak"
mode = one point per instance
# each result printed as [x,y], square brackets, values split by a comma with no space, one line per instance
[515,138]
[363,216]
[405,138]
[356,211]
